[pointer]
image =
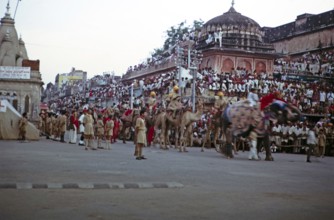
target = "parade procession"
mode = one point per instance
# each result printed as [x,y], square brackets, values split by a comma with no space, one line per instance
[200,92]
[140,110]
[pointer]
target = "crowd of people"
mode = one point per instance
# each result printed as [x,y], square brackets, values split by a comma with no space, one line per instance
[103,97]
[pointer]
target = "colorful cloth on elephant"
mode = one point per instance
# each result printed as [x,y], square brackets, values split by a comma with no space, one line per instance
[242,116]
[268,99]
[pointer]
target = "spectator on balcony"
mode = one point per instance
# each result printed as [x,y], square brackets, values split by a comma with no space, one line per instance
[322,98]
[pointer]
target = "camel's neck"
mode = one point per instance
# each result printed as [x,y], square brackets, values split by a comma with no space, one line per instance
[197,115]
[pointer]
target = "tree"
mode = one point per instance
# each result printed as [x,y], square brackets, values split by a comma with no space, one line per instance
[176,34]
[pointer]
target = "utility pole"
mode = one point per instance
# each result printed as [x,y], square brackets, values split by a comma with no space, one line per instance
[194,59]
[179,62]
[131,98]
[17,5]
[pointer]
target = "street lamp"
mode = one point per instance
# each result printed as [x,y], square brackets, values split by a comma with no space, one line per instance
[179,63]
[131,98]
[197,59]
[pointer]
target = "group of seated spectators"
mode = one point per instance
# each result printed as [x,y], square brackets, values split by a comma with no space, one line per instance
[319,63]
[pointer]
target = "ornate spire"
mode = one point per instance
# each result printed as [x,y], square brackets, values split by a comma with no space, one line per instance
[7,18]
[8,7]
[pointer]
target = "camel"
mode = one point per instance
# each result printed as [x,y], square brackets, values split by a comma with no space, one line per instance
[245,118]
[187,119]
[214,125]
[182,120]
[128,121]
[160,123]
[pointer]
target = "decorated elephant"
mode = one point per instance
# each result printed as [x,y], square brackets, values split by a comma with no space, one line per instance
[245,118]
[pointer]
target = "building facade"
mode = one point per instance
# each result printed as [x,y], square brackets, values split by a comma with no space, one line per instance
[308,33]
[232,41]
[20,78]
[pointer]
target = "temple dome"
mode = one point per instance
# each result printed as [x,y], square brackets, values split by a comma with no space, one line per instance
[12,49]
[233,31]
[231,19]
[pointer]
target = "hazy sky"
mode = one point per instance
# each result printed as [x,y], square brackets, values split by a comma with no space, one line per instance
[108,35]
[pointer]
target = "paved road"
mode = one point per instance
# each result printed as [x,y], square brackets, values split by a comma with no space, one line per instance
[50,180]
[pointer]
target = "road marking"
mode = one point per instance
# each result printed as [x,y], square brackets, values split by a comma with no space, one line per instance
[139,185]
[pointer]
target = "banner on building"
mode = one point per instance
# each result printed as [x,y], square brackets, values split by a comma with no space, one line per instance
[14,72]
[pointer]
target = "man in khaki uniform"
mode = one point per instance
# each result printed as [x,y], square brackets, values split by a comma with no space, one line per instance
[54,126]
[41,124]
[99,131]
[220,103]
[109,130]
[48,125]
[88,122]
[23,122]
[174,101]
[140,133]
[62,125]
[152,102]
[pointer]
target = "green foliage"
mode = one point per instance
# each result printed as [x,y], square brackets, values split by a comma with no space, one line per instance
[175,34]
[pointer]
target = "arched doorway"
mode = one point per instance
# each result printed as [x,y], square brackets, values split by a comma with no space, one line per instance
[260,67]
[245,64]
[227,65]
[15,104]
[26,104]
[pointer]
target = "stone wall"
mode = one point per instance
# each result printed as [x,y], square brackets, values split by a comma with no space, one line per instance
[305,42]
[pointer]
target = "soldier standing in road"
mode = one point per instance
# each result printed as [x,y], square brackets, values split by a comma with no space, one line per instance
[41,124]
[62,125]
[23,122]
[140,135]
[109,129]
[100,131]
[88,122]
[48,125]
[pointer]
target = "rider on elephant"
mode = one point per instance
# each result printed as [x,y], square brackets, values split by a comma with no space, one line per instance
[277,104]
[174,101]
[152,102]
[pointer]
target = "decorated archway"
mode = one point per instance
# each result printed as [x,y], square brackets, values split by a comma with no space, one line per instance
[260,67]
[227,65]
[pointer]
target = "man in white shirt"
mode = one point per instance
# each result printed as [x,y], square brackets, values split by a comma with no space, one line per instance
[82,128]
[276,133]
[311,142]
[253,97]
[309,94]
[322,99]
[304,133]
[284,130]
[330,97]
